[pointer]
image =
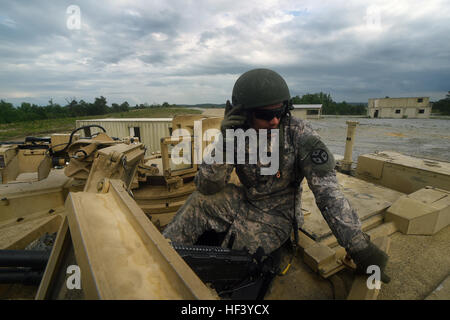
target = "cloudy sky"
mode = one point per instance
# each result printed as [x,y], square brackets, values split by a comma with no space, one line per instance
[193,51]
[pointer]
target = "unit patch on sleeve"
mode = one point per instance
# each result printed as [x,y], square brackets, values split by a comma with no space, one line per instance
[319,156]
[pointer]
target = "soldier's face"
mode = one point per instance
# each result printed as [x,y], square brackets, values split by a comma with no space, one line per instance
[260,117]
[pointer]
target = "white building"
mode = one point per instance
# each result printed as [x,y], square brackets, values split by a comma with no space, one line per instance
[148,130]
[307,111]
[416,107]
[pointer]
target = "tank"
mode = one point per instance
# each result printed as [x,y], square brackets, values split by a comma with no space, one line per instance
[102,213]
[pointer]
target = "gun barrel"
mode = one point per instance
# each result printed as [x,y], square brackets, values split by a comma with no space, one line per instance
[24,258]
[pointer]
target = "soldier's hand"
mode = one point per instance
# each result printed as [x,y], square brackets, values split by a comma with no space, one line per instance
[233,117]
[371,255]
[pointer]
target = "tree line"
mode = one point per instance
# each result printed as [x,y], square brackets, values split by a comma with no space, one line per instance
[329,106]
[442,106]
[27,111]
[74,108]
[155,105]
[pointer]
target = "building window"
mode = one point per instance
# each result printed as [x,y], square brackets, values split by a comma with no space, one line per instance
[312,112]
[135,132]
[397,111]
[420,100]
[421,110]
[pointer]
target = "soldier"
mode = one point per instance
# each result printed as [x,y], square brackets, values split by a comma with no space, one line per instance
[263,210]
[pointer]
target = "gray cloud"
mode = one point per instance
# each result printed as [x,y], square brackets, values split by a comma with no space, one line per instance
[192,53]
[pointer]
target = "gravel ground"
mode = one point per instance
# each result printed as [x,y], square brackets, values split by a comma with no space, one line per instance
[417,265]
[427,138]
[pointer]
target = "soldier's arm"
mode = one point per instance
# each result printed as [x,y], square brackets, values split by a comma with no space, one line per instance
[317,163]
[318,168]
[212,178]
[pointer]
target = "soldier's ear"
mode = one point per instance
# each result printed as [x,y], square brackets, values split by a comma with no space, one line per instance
[290,105]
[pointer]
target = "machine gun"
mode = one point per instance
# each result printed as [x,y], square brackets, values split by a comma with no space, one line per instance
[22,266]
[235,274]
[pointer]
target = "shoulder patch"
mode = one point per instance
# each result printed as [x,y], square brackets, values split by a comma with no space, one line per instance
[319,159]
[319,156]
[307,145]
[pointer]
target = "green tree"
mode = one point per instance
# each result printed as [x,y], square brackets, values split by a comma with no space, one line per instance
[115,107]
[99,106]
[74,109]
[54,110]
[124,107]
[28,112]
[8,113]
[85,107]
[328,105]
[443,105]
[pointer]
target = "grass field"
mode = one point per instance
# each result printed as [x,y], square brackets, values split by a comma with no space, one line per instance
[19,130]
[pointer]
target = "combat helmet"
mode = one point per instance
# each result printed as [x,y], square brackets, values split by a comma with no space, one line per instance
[259,87]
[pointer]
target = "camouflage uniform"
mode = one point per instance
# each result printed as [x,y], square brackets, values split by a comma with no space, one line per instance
[260,212]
